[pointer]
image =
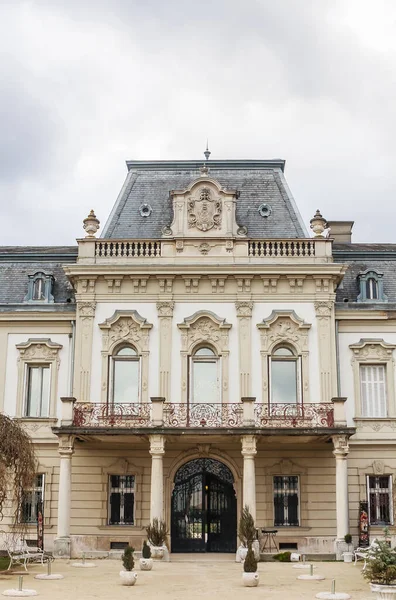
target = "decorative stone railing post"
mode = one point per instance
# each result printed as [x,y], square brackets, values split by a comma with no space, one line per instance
[339,412]
[67,411]
[62,540]
[248,410]
[341,450]
[157,450]
[249,475]
[157,413]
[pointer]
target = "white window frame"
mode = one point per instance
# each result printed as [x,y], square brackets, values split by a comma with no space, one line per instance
[295,359]
[367,389]
[215,358]
[121,489]
[373,352]
[135,359]
[28,368]
[390,498]
[35,488]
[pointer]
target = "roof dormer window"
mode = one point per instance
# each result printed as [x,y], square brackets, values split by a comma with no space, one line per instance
[40,287]
[371,287]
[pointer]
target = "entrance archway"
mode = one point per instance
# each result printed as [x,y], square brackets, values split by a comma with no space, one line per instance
[204,514]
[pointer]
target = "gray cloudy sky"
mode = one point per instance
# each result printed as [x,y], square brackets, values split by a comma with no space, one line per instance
[87,84]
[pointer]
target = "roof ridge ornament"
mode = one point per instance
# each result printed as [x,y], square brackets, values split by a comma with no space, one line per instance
[318,224]
[207,152]
[91,225]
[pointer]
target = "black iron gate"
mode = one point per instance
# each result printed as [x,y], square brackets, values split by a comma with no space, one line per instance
[204,508]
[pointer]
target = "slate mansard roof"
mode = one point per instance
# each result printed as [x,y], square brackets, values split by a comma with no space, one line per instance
[380,258]
[17,263]
[257,181]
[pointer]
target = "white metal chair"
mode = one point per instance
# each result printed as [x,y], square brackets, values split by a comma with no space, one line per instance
[365,553]
[20,553]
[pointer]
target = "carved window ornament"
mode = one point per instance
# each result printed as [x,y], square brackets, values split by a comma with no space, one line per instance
[373,376]
[205,329]
[35,357]
[125,329]
[284,337]
[371,287]
[40,287]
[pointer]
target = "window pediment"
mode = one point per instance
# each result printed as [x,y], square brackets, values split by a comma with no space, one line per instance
[126,327]
[284,327]
[204,326]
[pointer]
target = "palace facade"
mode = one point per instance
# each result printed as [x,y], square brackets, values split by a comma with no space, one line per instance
[205,352]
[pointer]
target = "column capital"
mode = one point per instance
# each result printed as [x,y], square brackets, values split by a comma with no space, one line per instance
[244,308]
[341,446]
[86,309]
[165,308]
[323,309]
[157,445]
[66,446]
[249,449]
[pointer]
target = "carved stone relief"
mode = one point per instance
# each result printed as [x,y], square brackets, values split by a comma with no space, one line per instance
[204,210]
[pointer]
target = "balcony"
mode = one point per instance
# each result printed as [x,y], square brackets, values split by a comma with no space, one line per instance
[170,416]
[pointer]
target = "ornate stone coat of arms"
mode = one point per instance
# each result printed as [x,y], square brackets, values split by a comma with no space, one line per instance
[204,211]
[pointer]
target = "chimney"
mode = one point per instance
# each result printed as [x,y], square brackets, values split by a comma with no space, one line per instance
[341,231]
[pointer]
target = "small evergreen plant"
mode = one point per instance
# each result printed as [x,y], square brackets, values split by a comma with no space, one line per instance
[250,563]
[146,551]
[157,533]
[127,558]
[246,528]
[381,564]
[348,538]
[283,556]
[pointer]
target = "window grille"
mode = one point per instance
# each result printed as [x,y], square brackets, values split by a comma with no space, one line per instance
[286,502]
[32,499]
[121,499]
[379,492]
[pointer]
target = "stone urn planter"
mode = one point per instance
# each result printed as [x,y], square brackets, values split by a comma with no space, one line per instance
[380,570]
[157,552]
[250,579]
[241,554]
[128,577]
[146,564]
[384,592]
[157,535]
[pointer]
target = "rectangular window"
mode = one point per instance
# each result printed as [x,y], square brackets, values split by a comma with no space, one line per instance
[121,499]
[286,500]
[31,501]
[125,381]
[373,390]
[379,494]
[37,391]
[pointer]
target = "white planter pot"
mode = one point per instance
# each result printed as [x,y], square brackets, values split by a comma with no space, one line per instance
[146,564]
[348,557]
[157,552]
[250,579]
[241,554]
[384,592]
[128,577]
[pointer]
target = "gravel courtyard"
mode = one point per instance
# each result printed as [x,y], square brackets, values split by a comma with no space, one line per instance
[188,577]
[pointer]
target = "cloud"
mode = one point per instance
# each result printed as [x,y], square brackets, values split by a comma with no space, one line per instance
[87,85]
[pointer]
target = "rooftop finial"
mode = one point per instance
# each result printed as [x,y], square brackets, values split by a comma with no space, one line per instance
[207,151]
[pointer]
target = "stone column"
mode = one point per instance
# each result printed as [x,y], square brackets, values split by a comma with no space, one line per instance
[157,450]
[62,540]
[83,356]
[326,348]
[249,475]
[341,449]
[244,313]
[165,314]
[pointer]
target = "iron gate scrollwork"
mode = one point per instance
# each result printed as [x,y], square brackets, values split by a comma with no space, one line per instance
[204,516]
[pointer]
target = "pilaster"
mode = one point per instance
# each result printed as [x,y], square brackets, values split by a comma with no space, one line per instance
[84,333]
[244,313]
[165,315]
[326,349]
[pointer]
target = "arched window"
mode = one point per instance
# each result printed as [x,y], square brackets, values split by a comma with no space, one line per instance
[371,289]
[371,284]
[38,289]
[285,378]
[125,376]
[205,376]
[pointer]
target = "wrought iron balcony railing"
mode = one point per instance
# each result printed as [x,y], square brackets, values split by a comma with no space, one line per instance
[184,416]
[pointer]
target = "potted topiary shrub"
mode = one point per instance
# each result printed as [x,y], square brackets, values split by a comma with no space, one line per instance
[146,562]
[250,577]
[348,554]
[246,533]
[380,570]
[157,534]
[128,576]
